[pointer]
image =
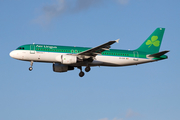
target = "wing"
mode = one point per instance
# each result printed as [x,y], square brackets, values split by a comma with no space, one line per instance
[98,50]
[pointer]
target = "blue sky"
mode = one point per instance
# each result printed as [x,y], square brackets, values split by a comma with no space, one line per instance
[143,92]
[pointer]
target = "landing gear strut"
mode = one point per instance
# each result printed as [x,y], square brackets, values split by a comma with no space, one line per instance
[81,74]
[30,68]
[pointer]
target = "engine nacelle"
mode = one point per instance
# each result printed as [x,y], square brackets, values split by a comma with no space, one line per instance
[68,59]
[61,68]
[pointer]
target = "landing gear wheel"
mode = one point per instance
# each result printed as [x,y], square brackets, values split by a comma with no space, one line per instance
[30,68]
[87,69]
[81,74]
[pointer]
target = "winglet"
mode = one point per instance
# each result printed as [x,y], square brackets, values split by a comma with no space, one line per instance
[117,40]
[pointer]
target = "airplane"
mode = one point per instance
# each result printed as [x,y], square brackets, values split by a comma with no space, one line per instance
[65,58]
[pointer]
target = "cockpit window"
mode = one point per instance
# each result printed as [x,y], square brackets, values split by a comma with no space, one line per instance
[20,48]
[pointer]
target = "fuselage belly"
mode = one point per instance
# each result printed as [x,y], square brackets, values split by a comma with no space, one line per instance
[99,60]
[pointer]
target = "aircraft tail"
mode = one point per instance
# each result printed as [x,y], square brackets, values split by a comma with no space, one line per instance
[153,42]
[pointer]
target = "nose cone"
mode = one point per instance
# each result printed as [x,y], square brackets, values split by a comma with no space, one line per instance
[12,54]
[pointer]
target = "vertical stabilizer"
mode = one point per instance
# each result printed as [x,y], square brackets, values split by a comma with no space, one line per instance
[153,42]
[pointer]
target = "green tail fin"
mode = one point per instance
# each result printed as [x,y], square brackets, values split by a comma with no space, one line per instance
[153,42]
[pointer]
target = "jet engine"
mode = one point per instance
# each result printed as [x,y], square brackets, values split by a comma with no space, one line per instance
[61,68]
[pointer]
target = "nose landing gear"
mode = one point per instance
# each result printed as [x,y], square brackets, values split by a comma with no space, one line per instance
[30,68]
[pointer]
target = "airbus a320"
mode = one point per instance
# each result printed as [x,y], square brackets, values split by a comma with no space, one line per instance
[65,58]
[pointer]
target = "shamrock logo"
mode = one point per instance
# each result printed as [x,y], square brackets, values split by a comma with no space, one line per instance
[154,41]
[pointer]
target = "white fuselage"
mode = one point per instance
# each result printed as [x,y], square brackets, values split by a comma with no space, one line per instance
[100,60]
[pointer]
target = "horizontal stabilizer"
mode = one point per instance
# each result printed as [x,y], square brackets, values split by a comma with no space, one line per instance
[159,54]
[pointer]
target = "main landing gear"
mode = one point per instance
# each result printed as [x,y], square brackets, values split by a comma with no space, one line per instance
[81,74]
[87,69]
[30,68]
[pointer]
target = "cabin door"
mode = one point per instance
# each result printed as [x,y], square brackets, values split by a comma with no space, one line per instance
[136,56]
[32,49]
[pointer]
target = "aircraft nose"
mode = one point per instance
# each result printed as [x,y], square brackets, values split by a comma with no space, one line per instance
[12,54]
